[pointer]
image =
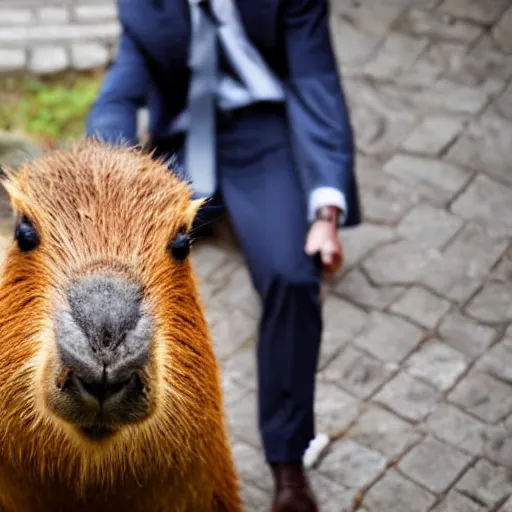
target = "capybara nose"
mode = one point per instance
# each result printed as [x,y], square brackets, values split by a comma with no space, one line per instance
[104,392]
[103,340]
[106,308]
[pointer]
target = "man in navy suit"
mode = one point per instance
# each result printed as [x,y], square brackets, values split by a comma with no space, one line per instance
[253,83]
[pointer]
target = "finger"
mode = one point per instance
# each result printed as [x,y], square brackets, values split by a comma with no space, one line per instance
[312,244]
[327,256]
[311,248]
[332,267]
[332,258]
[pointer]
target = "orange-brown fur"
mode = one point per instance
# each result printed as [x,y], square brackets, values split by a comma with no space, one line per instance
[97,207]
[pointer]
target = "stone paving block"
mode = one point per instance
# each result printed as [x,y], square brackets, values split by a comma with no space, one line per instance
[457,502]
[435,180]
[486,483]
[433,64]
[254,499]
[396,55]
[357,372]
[401,262]
[342,322]
[352,465]
[357,30]
[235,289]
[507,507]
[95,13]
[251,466]
[429,226]
[497,207]
[497,361]
[502,272]
[434,465]
[53,15]
[384,198]
[89,56]
[233,391]
[331,496]
[214,314]
[356,47]
[433,135]
[447,96]
[421,306]
[461,269]
[503,103]
[231,332]
[57,34]
[409,397]
[335,410]
[241,367]
[207,257]
[486,68]
[466,335]
[498,446]
[484,146]
[438,364]
[206,291]
[12,59]
[501,32]
[13,36]
[483,396]
[242,419]
[10,17]
[48,59]
[487,44]
[434,25]
[394,493]
[454,427]
[357,243]
[388,337]
[356,287]
[475,10]
[492,304]
[378,429]
[380,132]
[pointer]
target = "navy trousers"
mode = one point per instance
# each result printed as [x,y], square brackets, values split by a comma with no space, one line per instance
[259,188]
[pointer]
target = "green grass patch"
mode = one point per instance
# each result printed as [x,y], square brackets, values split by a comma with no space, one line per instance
[51,110]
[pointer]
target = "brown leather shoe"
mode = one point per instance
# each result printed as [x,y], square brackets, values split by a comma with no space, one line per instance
[292,490]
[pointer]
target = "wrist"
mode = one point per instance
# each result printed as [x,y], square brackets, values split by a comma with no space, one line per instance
[329,214]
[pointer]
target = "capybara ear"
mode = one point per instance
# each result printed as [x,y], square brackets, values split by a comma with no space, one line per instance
[10,184]
[191,211]
[20,203]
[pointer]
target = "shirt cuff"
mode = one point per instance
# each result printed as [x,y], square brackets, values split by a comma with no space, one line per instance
[327,196]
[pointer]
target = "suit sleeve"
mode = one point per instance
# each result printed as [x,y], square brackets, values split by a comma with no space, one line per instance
[319,119]
[113,117]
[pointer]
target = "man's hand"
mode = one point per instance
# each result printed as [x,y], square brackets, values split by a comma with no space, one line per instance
[323,239]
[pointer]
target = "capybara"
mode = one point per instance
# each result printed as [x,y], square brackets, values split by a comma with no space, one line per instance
[110,397]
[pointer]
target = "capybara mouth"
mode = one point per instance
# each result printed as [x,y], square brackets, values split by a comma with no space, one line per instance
[98,412]
[98,432]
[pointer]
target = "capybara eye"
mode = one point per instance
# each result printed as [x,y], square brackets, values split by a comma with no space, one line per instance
[26,235]
[180,246]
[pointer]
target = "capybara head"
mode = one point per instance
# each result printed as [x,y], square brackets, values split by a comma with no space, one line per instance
[105,360]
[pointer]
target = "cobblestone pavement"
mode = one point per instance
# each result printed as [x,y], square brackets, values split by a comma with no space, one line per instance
[414,384]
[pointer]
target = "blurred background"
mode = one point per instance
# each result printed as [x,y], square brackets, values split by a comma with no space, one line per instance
[415,380]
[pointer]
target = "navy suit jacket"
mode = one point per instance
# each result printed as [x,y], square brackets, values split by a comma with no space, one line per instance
[292,36]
